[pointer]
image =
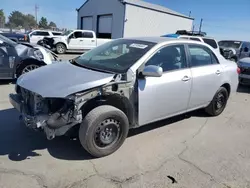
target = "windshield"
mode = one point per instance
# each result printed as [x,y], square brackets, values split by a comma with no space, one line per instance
[230,44]
[116,56]
[66,33]
[6,40]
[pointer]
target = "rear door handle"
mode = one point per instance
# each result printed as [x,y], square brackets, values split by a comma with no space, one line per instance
[185,78]
[218,72]
[81,40]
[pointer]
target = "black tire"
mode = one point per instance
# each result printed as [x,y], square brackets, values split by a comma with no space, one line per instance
[24,65]
[92,129]
[214,108]
[60,48]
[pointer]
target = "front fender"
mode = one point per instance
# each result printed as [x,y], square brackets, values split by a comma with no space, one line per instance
[47,57]
[61,40]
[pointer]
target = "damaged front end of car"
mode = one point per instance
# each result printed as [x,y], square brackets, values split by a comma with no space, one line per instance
[56,116]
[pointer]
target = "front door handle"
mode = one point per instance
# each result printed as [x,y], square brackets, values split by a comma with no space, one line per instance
[81,40]
[218,72]
[185,78]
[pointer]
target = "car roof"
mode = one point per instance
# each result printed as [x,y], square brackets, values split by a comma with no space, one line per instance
[154,39]
[203,37]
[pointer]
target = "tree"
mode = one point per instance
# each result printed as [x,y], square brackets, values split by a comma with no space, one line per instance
[52,24]
[2,18]
[43,23]
[30,21]
[16,19]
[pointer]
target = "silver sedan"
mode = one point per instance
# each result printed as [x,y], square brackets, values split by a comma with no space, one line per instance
[124,84]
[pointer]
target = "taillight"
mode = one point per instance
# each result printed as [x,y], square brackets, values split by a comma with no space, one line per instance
[25,37]
[238,70]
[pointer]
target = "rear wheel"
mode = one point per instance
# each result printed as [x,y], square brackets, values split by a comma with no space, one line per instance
[219,102]
[60,48]
[103,130]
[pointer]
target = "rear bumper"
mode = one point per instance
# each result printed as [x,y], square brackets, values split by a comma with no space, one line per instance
[244,79]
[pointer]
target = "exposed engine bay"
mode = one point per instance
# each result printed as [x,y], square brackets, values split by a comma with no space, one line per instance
[55,116]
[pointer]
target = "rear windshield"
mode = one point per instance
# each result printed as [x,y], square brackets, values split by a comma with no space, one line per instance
[230,44]
[210,42]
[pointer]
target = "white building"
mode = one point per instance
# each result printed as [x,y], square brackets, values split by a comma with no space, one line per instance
[130,18]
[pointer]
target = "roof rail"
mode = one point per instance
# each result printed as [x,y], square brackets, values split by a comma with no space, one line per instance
[191,33]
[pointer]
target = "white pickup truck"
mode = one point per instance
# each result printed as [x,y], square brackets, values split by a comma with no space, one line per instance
[73,41]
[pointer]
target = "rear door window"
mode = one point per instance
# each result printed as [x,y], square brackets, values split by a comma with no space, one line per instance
[211,42]
[195,39]
[201,56]
[184,38]
[41,33]
[55,33]
[88,35]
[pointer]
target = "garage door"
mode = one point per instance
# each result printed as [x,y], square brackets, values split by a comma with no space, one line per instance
[105,24]
[87,23]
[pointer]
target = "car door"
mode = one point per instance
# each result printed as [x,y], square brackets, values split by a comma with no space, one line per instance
[7,60]
[168,95]
[88,41]
[206,75]
[75,40]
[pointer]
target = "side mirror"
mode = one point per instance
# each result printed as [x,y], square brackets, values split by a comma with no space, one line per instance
[246,49]
[152,71]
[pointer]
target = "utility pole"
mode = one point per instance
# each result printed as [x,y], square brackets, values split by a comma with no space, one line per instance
[200,25]
[193,28]
[36,10]
[189,14]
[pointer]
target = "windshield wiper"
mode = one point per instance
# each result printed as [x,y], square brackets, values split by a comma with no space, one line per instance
[73,61]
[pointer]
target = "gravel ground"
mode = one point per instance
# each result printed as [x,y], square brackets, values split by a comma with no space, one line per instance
[193,151]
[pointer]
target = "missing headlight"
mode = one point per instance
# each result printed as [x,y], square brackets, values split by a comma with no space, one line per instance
[38,54]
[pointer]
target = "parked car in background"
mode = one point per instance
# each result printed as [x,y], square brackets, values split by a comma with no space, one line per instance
[234,49]
[17,37]
[19,58]
[73,41]
[244,65]
[196,36]
[37,35]
[124,84]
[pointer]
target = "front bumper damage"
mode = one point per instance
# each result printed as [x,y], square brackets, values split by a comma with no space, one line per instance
[53,124]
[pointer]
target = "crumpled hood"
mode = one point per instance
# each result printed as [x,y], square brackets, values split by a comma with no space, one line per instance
[233,50]
[62,79]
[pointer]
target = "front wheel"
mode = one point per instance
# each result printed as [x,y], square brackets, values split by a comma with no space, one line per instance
[60,48]
[25,68]
[219,102]
[103,130]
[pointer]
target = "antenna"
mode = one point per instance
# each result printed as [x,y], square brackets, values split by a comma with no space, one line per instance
[200,25]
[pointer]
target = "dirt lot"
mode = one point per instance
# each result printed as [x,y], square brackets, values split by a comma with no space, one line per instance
[192,151]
